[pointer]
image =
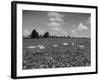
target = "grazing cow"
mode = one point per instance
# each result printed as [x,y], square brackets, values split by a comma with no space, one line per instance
[55,45]
[41,46]
[81,46]
[31,47]
[65,43]
[72,43]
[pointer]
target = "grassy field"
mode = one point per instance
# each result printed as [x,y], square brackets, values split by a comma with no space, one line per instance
[56,52]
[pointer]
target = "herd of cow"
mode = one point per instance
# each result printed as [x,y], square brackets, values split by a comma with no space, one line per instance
[55,45]
[56,54]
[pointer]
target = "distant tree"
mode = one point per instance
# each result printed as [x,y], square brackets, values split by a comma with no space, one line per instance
[68,36]
[40,36]
[46,35]
[51,36]
[34,34]
[54,36]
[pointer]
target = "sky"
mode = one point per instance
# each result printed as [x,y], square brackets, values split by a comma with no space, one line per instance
[56,23]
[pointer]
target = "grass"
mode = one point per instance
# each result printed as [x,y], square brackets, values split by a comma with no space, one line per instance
[56,57]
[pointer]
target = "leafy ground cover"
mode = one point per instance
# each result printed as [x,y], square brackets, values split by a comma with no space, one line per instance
[70,55]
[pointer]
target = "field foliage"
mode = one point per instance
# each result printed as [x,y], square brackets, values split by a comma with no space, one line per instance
[71,55]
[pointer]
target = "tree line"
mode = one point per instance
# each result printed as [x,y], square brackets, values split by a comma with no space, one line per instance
[35,34]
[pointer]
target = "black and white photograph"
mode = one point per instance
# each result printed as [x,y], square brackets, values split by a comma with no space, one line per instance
[53,40]
[56,39]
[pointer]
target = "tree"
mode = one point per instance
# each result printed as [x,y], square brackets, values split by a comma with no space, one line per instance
[34,34]
[68,36]
[46,35]
[40,36]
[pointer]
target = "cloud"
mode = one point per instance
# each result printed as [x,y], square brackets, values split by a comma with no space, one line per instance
[55,16]
[59,33]
[56,19]
[26,32]
[74,32]
[55,24]
[81,27]
[88,20]
[41,31]
[56,29]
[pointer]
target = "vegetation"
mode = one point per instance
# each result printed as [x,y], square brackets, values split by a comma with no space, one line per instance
[46,35]
[56,57]
[34,34]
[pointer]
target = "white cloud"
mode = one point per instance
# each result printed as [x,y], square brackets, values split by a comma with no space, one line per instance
[89,20]
[61,33]
[41,31]
[55,16]
[81,27]
[55,24]
[26,32]
[56,19]
[74,32]
[58,30]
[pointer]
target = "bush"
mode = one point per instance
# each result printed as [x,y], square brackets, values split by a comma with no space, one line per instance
[34,34]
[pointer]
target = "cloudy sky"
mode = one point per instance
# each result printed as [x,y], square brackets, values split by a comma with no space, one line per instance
[57,23]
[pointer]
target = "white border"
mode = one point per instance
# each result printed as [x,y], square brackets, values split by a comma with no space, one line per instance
[36,72]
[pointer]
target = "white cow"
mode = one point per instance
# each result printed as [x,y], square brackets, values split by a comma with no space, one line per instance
[81,46]
[41,46]
[31,47]
[55,45]
[72,43]
[65,44]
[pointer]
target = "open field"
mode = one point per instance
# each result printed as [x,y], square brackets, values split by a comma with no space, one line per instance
[56,52]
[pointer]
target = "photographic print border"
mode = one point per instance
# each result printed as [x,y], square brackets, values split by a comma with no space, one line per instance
[14,38]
